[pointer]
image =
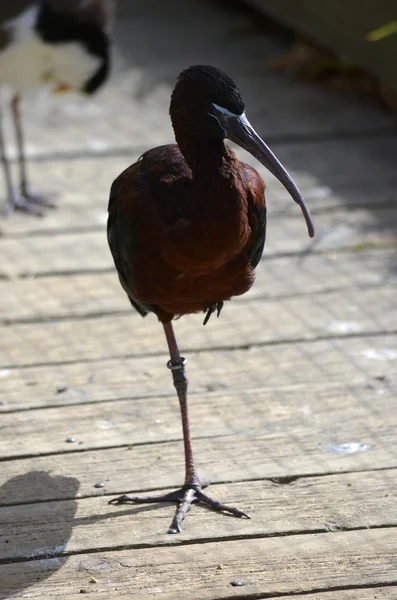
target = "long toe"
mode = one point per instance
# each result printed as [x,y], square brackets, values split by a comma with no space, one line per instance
[39,199]
[185,497]
[175,496]
[21,204]
[219,506]
[184,506]
[30,204]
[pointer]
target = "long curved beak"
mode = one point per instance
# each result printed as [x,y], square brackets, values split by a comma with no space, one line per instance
[239,130]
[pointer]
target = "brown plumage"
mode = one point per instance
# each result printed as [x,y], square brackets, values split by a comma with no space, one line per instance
[187,227]
[197,238]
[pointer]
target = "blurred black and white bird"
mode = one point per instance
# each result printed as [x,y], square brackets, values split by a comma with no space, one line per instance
[64,43]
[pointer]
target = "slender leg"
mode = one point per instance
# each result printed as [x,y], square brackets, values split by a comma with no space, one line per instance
[6,170]
[16,114]
[177,366]
[27,202]
[192,490]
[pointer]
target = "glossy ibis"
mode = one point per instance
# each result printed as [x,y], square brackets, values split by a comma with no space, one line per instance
[187,227]
[64,43]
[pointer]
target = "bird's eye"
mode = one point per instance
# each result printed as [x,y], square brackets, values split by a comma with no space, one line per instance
[224,111]
[223,115]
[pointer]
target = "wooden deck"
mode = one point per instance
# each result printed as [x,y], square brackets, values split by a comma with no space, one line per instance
[293,391]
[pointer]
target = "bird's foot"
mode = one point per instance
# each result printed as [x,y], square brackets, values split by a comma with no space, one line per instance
[216,306]
[32,204]
[185,497]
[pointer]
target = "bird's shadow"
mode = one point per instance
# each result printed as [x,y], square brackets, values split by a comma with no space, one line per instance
[22,536]
[34,533]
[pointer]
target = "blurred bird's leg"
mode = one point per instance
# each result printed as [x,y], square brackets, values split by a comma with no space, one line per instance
[192,490]
[10,202]
[26,202]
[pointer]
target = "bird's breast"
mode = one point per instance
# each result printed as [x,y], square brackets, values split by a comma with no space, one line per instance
[204,244]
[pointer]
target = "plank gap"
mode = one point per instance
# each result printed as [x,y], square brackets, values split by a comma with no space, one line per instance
[336,588]
[218,348]
[238,299]
[182,542]
[306,251]
[224,539]
[86,229]
[159,395]
[189,542]
[148,490]
[276,140]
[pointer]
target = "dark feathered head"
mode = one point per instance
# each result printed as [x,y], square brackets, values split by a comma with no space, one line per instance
[206,105]
[197,90]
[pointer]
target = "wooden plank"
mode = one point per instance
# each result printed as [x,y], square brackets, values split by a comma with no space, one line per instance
[343,28]
[361,360]
[314,411]
[92,294]
[350,445]
[360,558]
[141,421]
[72,252]
[256,323]
[388,592]
[317,504]
[318,168]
